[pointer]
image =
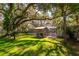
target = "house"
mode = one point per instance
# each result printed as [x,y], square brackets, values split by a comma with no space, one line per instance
[49,31]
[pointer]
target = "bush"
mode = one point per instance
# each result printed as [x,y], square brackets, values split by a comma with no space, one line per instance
[71,33]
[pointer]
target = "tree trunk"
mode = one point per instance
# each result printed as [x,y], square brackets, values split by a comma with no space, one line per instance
[14,35]
[64,28]
[64,24]
[77,31]
[13,29]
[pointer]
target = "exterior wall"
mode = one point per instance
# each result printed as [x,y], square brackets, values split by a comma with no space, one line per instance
[52,35]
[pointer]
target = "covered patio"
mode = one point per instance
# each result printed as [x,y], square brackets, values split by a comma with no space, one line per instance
[46,31]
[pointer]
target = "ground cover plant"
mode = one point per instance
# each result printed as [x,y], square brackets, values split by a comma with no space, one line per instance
[29,45]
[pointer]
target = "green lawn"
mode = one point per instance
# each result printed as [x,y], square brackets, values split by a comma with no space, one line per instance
[29,45]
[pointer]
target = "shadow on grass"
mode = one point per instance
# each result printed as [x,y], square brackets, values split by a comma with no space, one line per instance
[38,37]
[30,48]
[41,51]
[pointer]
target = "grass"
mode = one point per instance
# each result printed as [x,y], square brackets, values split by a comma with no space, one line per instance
[29,45]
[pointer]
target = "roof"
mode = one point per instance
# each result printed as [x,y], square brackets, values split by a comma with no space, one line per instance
[40,27]
[49,27]
[52,27]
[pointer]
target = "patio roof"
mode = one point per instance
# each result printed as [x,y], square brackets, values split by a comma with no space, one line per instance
[40,27]
[49,27]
